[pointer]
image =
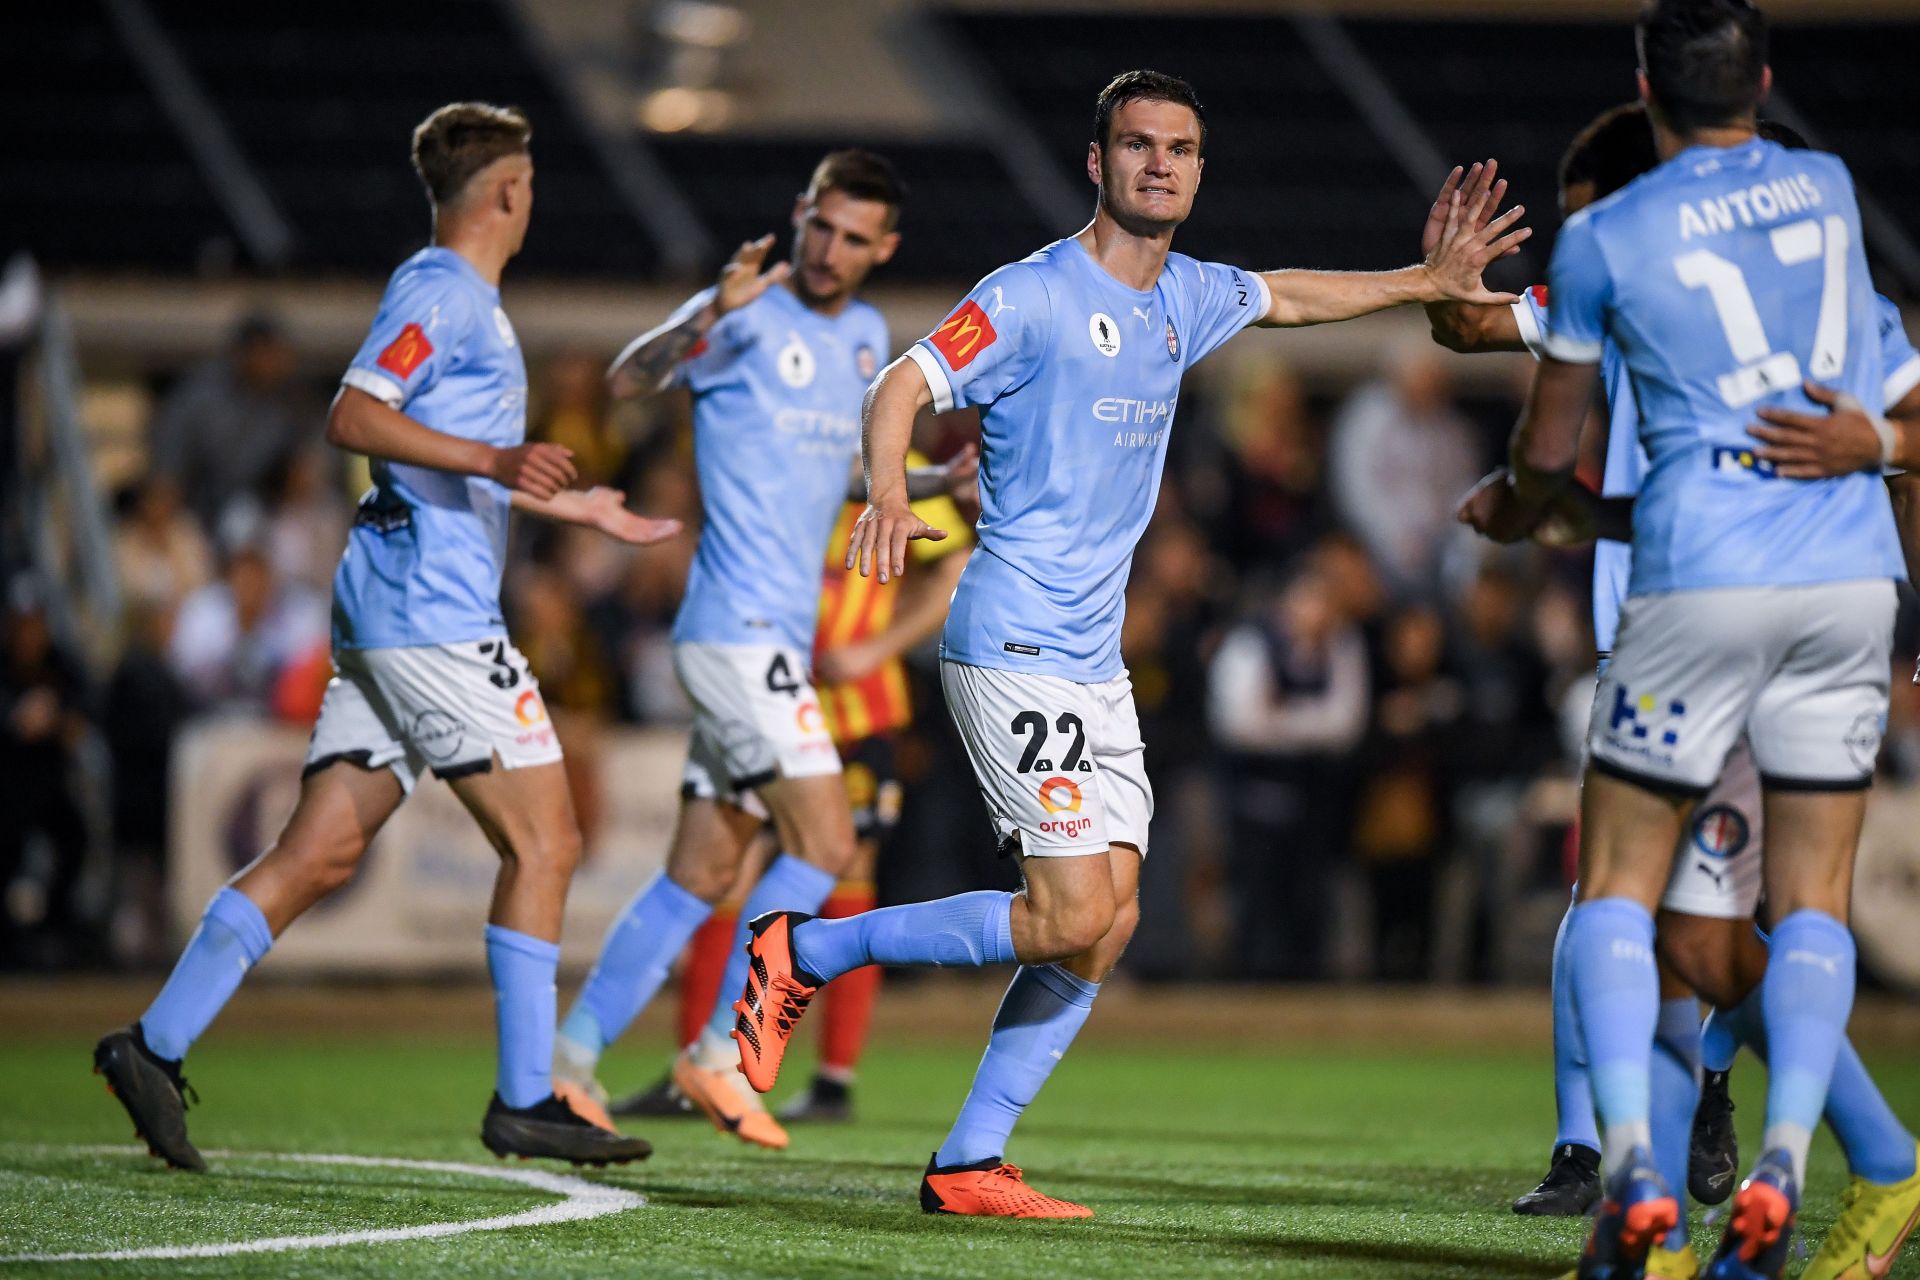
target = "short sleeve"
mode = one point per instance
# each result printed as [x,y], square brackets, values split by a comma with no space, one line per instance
[1530,316]
[713,359]
[1582,292]
[991,342]
[1221,301]
[421,322]
[1898,359]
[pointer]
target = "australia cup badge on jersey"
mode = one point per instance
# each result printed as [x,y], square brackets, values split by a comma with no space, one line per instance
[504,326]
[1173,343]
[865,362]
[796,362]
[1105,334]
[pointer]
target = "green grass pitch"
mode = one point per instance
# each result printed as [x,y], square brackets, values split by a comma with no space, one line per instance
[1200,1159]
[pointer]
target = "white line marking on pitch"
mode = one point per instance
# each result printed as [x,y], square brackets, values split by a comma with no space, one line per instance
[580,1201]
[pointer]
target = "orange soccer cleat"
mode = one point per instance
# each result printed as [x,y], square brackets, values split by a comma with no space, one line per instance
[732,1109]
[990,1189]
[777,994]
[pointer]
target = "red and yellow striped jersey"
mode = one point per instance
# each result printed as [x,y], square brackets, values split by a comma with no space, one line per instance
[853,608]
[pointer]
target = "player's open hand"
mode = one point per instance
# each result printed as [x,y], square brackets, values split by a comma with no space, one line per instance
[1470,240]
[1493,511]
[606,510]
[1472,183]
[1809,446]
[537,470]
[878,547]
[742,280]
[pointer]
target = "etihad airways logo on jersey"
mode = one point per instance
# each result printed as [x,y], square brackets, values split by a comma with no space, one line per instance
[1061,796]
[966,333]
[1761,202]
[1155,415]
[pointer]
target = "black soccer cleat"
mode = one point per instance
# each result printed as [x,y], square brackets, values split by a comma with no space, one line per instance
[659,1100]
[1713,1157]
[550,1130]
[1571,1187]
[154,1093]
[824,1101]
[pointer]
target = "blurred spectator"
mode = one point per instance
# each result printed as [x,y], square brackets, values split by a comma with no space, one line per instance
[237,636]
[1505,678]
[159,549]
[1401,457]
[145,706]
[574,412]
[44,698]
[307,519]
[576,682]
[224,429]
[634,622]
[1287,703]
[1403,814]
[1275,503]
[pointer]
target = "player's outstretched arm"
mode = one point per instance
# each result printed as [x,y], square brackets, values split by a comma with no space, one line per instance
[1468,242]
[945,478]
[601,508]
[360,423]
[1845,439]
[1541,456]
[880,536]
[648,362]
[1469,327]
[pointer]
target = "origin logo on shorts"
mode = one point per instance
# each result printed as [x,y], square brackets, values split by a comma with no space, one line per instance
[531,711]
[1061,796]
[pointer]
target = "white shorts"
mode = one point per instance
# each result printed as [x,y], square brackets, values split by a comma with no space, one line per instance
[1716,866]
[756,717]
[1801,671]
[1060,763]
[451,708]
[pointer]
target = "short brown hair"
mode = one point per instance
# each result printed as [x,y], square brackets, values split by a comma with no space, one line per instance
[1144,86]
[863,176]
[462,138]
[1615,148]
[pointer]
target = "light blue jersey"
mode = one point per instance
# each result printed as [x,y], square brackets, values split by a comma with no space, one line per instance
[1626,463]
[423,562]
[1076,376]
[776,429]
[1726,277]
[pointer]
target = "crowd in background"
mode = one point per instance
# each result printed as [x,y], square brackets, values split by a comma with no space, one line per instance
[1349,704]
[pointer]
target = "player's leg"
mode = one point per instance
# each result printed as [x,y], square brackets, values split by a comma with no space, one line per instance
[1572,1183]
[846,1004]
[356,776]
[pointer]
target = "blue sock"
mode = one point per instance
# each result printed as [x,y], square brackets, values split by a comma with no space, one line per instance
[968,929]
[1043,1010]
[1806,998]
[1572,1096]
[232,937]
[1616,993]
[1676,1092]
[522,968]
[1718,1041]
[790,884]
[634,960]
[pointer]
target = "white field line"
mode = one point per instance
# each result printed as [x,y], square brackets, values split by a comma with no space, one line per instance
[580,1200]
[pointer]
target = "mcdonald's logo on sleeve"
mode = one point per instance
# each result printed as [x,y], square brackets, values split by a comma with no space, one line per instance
[404,354]
[966,333]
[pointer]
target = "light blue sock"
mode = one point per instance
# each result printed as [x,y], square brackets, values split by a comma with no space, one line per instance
[1572,1095]
[1043,1010]
[968,930]
[634,960]
[522,968]
[1616,992]
[1676,1092]
[1718,1042]
[790,884]
[232,937]
[1806,998]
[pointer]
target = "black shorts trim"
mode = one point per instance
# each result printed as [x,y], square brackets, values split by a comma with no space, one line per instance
[1646,781]
[358,759]
[754,781]
[466,769]
[1774,782]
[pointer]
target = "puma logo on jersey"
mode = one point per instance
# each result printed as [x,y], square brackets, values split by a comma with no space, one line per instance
[1145,319]
[1000,303]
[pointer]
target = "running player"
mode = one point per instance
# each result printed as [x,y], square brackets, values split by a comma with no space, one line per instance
[1705,940]
[776,362]
[426,677]
[1074,356]
[1756,605]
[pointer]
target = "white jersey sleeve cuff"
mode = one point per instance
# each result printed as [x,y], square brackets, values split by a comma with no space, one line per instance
[1901,381]
[936,377]
[379,386]
[1570,350]
[1266,298]
[1529,329]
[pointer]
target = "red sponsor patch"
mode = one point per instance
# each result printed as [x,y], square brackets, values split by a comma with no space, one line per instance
[404,354]
[1539,292]
[965,335]
[698,349]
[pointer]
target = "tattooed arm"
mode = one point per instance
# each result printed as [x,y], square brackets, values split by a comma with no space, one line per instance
[648,362]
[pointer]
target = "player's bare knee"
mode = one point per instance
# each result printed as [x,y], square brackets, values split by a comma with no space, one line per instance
[706,879]
[551,849]
[1070,928]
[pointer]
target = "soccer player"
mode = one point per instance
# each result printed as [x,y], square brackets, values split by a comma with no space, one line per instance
[1756,604]
[426,677]
[776,361]
[1074,357]
[1706,943]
